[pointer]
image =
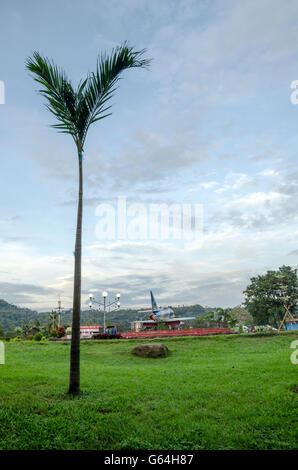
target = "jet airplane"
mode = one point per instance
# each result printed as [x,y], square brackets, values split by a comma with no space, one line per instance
[161,315]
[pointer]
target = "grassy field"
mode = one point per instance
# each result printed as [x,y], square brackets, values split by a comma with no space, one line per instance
[223,392]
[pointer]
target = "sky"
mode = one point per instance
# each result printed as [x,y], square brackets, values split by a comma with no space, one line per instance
[210,124]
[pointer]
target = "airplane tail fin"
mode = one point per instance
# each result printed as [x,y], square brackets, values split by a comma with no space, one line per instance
[153,302]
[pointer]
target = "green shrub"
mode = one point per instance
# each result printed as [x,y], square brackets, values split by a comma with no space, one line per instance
[38,337]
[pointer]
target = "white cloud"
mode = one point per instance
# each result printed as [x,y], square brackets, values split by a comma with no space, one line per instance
[269,172]
[234,181]
[258,199]
[207,185]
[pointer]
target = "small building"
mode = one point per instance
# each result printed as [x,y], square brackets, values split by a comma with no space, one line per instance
[292,324]
[86,331]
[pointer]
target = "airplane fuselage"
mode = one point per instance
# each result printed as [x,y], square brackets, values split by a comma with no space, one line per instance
[162,314]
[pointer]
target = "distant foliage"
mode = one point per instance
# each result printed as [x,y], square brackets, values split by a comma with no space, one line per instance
[243,316]
[217,318]
[189,310]
[266,295]
[12,316]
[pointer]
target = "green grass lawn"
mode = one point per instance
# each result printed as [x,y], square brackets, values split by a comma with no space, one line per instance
[223,392]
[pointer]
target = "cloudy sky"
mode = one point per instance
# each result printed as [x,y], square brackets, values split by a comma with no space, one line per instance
[210,123]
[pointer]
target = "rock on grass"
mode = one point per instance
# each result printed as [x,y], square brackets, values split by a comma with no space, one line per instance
[150,350]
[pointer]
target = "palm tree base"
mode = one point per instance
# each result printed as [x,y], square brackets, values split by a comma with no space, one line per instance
[74,390]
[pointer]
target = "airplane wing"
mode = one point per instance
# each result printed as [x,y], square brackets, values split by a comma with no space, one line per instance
[147,321]
[167,321]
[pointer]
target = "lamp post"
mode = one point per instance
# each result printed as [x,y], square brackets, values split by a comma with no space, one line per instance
[104,305]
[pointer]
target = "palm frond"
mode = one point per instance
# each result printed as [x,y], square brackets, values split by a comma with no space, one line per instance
[102,84]
[77,109]
[57,90]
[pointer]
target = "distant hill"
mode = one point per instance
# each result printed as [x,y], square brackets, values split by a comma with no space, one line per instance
[12,316]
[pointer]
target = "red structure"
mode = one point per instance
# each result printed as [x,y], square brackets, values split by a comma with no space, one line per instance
[155,325]
[173,333]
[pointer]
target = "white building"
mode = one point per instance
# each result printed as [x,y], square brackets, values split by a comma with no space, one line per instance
[86,331]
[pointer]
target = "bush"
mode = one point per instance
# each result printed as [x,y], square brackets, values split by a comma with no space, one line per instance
[38,337]
[17,339]
[61,331]
[30,337]
[54,333]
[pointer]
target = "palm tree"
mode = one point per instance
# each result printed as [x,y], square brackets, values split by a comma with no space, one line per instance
[53,320]
[75,111]
[226,317]
[25,328]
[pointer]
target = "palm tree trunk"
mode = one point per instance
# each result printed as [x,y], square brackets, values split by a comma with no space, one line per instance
[74,378]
